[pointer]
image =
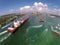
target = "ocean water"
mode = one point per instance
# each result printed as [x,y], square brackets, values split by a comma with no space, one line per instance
[32,32]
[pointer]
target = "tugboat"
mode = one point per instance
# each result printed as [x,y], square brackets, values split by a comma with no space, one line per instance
[16,25]
[41,20]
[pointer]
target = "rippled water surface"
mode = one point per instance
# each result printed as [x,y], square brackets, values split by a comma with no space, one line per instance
[32,32]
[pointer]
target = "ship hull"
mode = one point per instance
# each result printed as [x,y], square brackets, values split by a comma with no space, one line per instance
[16,28]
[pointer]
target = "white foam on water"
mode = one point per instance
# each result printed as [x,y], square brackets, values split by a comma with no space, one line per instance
[5,26]
[46,29]
[27,30]
[52,28]
[33,40]
[59,24]
[4,38]
[56,31]
[59,28]
[37,26]
[52,16]
[56,27]
[3,32]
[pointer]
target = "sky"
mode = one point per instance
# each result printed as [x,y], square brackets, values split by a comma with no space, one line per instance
[10,6]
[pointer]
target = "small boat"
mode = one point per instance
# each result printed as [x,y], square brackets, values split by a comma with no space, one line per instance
[17,24]
[55,31]
[41,20]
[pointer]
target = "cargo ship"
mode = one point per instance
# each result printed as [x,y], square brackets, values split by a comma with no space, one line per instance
[16,25]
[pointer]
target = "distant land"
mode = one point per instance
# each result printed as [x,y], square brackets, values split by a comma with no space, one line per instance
[7,18]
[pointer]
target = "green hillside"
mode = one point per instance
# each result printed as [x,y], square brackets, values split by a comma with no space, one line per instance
[7,18]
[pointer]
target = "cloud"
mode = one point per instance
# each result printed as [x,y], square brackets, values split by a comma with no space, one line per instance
[37,7]
[25,8]
[54,11]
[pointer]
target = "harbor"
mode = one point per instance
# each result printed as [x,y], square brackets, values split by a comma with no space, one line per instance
[33,32]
